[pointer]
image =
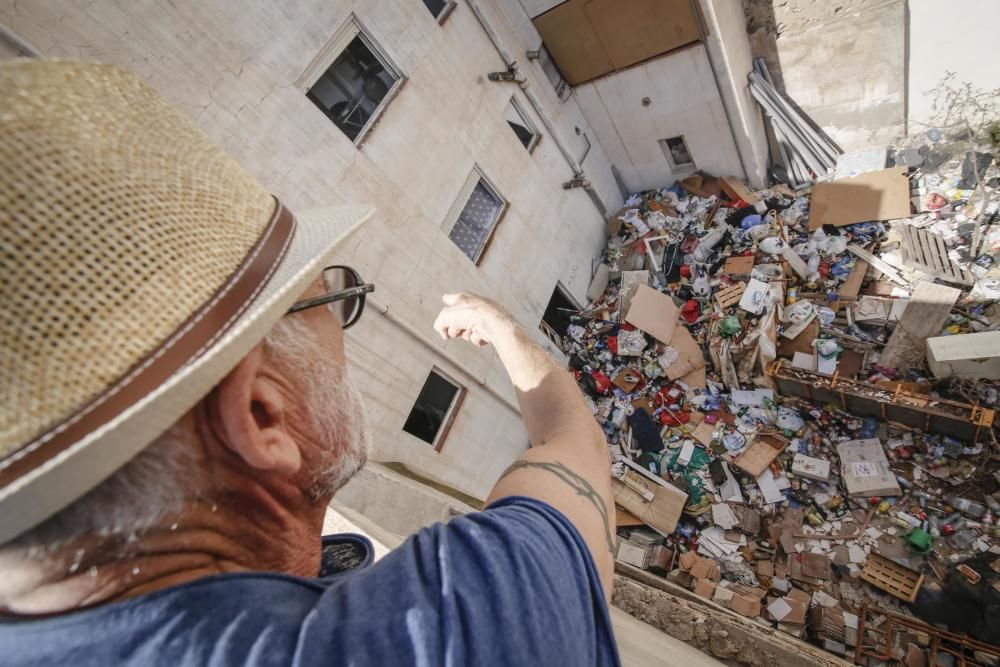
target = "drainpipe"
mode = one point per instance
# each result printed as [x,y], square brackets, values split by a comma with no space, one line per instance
[414,333]
[513,74]
[10,36]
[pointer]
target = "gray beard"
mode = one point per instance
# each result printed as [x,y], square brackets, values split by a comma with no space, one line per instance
[338,416]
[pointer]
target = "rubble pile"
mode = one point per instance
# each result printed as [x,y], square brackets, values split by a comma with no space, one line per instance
[798,392]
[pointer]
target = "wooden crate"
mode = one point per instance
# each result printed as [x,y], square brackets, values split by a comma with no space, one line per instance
[928,252]
[730,296]
[891,577]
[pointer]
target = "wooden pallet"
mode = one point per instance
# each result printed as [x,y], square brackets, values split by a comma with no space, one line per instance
[891,577]
[928,252]
[730,296]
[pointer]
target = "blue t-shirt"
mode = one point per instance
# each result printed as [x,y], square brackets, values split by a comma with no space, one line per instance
[512,585]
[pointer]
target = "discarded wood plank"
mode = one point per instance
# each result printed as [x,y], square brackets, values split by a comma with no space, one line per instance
[886,270]
[925,314]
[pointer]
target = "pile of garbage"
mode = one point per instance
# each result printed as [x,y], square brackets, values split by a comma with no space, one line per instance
[798,389]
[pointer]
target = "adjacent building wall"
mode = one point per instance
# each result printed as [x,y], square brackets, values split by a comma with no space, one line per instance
[232,67]
[840,62]
[683,100]
[959,37]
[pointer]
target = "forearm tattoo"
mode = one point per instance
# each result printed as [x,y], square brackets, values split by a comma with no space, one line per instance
[575,482]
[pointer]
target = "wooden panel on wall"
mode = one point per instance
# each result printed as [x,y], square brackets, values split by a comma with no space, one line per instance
[590,38]
[570,37]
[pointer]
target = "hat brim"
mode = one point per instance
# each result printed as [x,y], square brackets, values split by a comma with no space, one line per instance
[42,492]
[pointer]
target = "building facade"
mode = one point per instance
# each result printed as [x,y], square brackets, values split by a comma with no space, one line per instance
[489,171]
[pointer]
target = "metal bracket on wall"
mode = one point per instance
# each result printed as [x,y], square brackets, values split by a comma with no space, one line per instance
[576,182]
[509,75]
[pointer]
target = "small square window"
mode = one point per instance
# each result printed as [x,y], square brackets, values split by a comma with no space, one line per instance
[523,128]
[471,225]
[440,9]
[552,72]
[676,151]
[435,408]
[558,315]
[355,88]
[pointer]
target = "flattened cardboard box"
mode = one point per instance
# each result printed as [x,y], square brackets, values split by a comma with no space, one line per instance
[652,312]
[865,469]
[662,512]
[758,456]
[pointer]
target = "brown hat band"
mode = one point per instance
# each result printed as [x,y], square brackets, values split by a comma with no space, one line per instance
[196,335]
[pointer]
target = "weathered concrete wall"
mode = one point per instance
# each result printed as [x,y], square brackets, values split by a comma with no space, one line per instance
[232,67]
[842,63]
[959,36]
[683,100]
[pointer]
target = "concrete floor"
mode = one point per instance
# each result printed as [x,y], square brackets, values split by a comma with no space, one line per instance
[639,644]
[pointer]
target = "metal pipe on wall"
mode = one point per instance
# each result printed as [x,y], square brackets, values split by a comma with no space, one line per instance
[578,175]
[18,43]
[415,333]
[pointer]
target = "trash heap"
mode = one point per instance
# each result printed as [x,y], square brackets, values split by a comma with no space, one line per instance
[797,389]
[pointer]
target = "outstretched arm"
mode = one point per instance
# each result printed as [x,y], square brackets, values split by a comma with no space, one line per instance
[568,465]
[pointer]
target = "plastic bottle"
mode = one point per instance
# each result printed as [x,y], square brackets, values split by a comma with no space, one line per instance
[970,507]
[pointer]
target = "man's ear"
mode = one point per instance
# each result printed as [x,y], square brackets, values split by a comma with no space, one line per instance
[251,417]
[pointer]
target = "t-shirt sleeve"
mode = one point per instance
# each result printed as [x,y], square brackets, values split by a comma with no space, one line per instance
[511,585]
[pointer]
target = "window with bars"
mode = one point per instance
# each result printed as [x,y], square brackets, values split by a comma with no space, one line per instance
[475,215]
[352,80]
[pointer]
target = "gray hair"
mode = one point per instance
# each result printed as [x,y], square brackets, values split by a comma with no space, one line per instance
[156,483]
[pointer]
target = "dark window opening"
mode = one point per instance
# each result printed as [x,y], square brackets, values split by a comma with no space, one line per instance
[558,315]
[440,9]
[351,89]
[519,123]
[434,409]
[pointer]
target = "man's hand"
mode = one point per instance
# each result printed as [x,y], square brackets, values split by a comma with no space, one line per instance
[472,317]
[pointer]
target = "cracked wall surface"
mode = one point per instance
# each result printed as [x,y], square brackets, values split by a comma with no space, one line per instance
[232,67]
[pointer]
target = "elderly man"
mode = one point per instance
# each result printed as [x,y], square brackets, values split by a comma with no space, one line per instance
[176,414]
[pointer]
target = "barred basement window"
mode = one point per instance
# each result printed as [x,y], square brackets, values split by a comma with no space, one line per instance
[352,80]
[435,409]
[475,215]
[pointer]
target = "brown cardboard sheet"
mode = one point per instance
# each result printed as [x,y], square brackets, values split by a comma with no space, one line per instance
[875,195]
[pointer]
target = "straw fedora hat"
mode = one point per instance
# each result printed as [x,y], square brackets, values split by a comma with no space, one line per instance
[138,264]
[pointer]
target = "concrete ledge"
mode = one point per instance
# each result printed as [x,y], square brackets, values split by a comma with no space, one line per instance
[713,629]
